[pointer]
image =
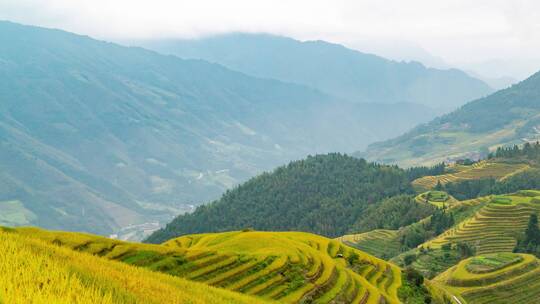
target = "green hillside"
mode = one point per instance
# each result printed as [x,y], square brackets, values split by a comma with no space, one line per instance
[323,194]
[291,267]
[509,116]
[332,68]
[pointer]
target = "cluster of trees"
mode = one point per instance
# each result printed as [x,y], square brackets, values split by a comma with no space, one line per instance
[468,189]
[530,242]
[417,234]
[528,151]
[324,194]
[392,213]
[417,172]
[412,289]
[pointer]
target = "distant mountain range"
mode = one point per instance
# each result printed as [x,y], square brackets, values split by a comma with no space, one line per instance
[332,68]
[507,117]
[109,139]
[98,137]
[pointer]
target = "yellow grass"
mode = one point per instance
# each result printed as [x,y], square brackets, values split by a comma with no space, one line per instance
[513,282]
[34,271]
[289,267]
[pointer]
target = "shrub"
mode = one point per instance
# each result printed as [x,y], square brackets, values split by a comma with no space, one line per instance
[409,259]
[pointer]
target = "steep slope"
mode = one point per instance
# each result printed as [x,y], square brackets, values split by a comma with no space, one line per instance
[324,194]
[332,68]
[509,116]
[291,267]
[103,138]
[34,271]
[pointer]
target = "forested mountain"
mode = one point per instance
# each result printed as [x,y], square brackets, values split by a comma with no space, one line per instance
[333,68]
[323,194]
[95,136]
[510,116]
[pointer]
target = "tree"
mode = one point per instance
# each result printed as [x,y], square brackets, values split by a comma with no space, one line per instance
[414,276]
[409,259]
[465,250]
[532,233]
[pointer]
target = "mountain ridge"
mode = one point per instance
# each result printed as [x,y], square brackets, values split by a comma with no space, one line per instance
[330,67]
[506,117]
[108,139]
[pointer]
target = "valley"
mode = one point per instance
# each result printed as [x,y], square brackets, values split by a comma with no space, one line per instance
[315,152]
[97,136]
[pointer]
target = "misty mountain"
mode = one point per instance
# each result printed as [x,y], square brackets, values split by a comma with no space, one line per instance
[332,68]
[507,117]
[98,137]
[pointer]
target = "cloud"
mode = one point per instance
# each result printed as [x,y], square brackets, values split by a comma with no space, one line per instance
[460,31]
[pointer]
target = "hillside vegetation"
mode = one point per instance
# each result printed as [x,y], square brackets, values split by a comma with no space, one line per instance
[493,278]
[35,271]
[391,214]
[404,246]
[324,194]
[290,267]
[507,117]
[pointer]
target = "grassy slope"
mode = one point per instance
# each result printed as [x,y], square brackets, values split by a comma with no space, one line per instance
[285,266]
[494,278]
[55,274]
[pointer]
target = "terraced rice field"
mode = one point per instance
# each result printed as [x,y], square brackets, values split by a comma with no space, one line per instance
[483,169]
[380,243]
[289,267]
[35,271]
[438,199]
[495,227]
[495,279]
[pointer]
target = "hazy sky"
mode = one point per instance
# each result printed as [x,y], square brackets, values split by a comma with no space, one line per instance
[493,37]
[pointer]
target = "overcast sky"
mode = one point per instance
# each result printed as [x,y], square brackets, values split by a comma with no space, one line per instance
[492,37]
